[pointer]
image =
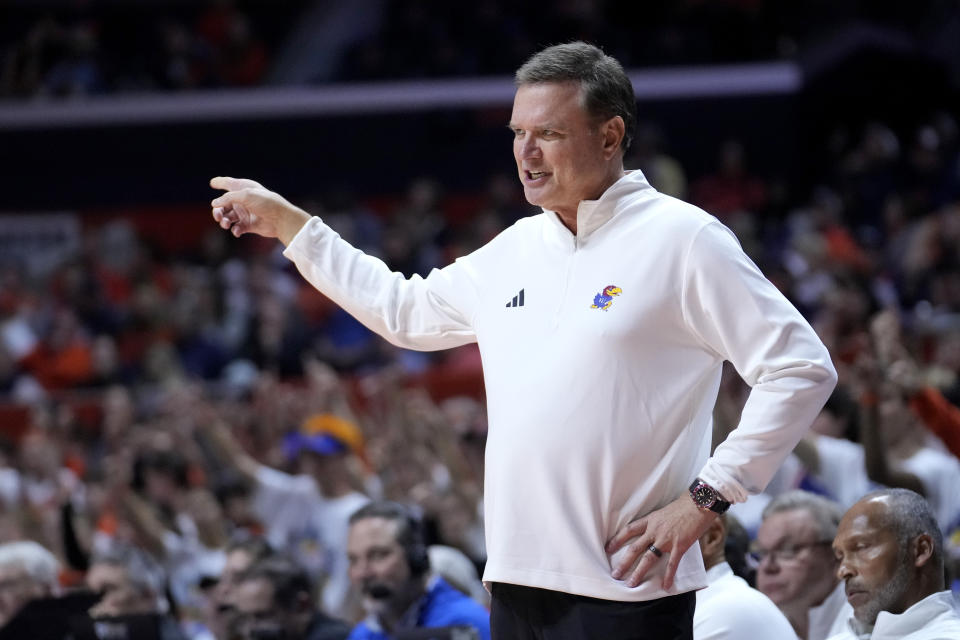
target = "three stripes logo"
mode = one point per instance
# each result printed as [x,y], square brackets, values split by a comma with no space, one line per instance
[517,300]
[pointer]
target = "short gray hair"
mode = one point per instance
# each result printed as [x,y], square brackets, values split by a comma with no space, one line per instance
[144,573]
[911,516]
[38,563]
[606,89]
[825,512]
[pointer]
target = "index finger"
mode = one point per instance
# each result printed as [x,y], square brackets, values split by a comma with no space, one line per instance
[227,183]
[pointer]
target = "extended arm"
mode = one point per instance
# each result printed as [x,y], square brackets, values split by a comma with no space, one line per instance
[228,451]
[878,465]
[150,530]
[417,313]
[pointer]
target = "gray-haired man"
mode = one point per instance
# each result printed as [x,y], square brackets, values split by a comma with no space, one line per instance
[27,572]
[603,323]
[890,553]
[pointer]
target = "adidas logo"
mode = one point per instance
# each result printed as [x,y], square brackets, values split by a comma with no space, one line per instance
[517,300]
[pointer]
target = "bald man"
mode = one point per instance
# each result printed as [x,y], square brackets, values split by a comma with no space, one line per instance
[890,553]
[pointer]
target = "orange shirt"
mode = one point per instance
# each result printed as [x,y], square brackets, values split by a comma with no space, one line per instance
[940,416]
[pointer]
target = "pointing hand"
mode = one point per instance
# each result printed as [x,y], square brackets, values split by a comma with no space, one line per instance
[248,207]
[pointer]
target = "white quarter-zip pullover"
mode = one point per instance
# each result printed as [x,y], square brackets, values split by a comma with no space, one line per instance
[599,413]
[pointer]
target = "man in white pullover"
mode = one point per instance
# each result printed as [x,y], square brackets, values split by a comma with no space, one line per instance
[603,323]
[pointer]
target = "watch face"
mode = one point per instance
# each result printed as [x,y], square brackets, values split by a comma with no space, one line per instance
[703,496]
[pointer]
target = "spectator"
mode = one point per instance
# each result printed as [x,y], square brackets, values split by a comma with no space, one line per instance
[274,599]
[664,172]
[731,189]
[796,568]
[390,566]
[130,584]
[27,572]
[899,452]
[729,608]
[78,73]
[458,570]
[240,555]
[835,464]
[306,514]
[890,554]
[736,550]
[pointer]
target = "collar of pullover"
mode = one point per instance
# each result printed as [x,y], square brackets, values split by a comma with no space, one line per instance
[593,214]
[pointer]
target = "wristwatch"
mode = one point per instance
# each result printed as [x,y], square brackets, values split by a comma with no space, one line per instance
[706,497]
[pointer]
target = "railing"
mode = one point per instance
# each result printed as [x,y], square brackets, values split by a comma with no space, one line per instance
[775,78]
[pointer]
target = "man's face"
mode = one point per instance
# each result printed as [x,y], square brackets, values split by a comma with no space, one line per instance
[257,614]
[378,564]
[160,486]
[872,562]
[235,564]
[222,615]
[320,466]
[558,148]
[797,569]
[120,596]
[16,590]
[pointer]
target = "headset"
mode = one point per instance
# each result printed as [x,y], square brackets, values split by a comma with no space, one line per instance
[417,557]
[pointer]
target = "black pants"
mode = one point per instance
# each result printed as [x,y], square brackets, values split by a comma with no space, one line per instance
[526,613]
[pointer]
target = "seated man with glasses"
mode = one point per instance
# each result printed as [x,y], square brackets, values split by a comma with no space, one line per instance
[796,567]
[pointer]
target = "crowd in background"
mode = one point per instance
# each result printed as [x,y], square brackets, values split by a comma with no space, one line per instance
[159,400]
[83,48]
[67,48]
[177,412]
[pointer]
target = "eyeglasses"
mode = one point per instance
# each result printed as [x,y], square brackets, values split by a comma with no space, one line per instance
[786,553]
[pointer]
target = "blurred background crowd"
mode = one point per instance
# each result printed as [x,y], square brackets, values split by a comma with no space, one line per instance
[80,48]
[168,389]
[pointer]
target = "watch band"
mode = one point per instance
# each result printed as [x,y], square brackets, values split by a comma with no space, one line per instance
[707,498]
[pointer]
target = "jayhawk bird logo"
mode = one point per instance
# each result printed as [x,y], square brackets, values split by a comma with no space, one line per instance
[604,299]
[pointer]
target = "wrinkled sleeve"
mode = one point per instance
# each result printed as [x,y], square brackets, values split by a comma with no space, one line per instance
[740,315]
[426,314]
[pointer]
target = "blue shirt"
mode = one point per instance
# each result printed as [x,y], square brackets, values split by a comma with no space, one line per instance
[441,606]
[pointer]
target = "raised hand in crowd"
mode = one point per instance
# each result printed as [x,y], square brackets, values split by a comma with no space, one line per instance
[885,331]
[886,425]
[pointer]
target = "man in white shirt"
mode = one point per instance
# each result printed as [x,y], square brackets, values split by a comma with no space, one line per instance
[729,608]
[796,568]
[890,551]
[603,324]
[305,515]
